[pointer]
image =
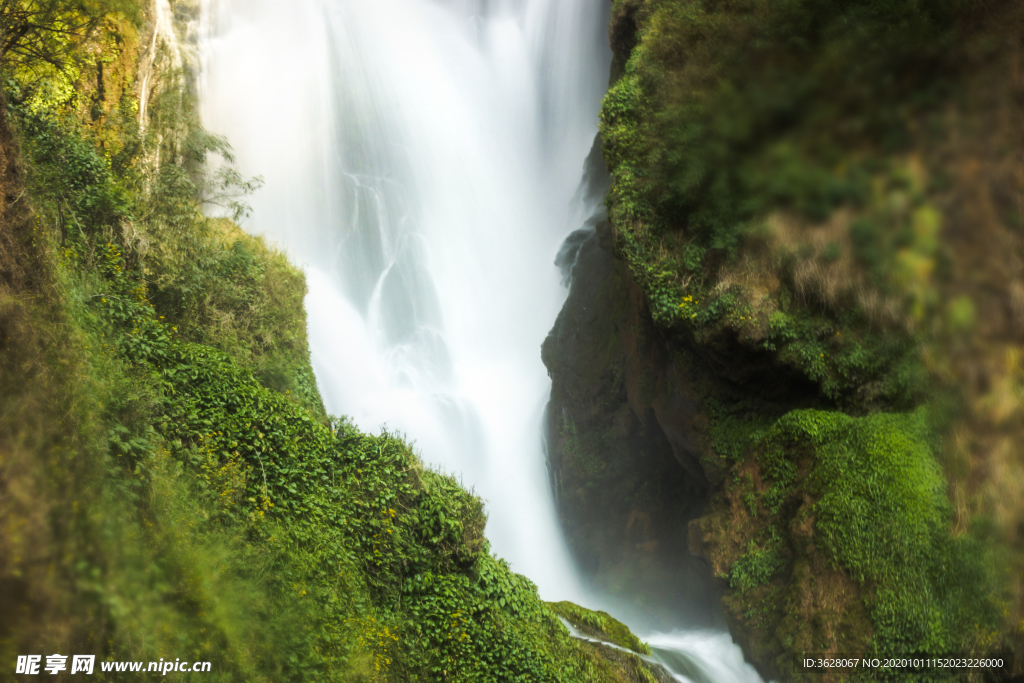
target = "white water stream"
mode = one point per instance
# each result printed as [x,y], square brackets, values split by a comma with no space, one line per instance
[420,160]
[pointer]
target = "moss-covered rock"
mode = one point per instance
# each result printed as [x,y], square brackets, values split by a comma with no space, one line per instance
[812,200]
[600,625]
[833,537]
[619,663]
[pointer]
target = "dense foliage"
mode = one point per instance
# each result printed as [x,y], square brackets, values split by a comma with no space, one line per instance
[344,544]
[755,106]
[815,187]
[184,494]
[742,124]
[872,491]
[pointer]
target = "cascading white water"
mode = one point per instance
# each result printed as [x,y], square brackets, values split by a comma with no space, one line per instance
[702,657]
[420,159]
[165,44]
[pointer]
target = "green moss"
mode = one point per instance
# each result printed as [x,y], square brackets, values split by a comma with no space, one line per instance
[726,115]
[757,566]
[581,451]
[746,113]
[961,314]
[731,436]
[600,625]
[881,515]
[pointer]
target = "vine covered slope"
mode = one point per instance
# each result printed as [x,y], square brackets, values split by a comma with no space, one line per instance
[171,486]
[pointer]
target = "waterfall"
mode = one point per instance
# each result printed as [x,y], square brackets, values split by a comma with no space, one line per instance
[421,161]
[164,51]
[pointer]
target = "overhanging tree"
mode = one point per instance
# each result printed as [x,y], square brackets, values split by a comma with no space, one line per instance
[49,31]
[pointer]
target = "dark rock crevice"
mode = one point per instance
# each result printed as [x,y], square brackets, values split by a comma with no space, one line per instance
[625,444]
[629,446]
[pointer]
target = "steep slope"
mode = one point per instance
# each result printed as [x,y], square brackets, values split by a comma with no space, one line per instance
[171,487]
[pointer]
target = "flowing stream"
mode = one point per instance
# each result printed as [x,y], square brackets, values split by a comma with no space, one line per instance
[421,161]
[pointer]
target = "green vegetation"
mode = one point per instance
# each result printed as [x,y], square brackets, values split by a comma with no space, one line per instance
[359,549]
[753,107]
[882,515]
[176,488]
[848,545]
[805,190]
[757,566]
[600,625]
[735,127]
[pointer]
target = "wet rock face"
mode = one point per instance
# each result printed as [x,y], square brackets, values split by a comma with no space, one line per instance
[624,442]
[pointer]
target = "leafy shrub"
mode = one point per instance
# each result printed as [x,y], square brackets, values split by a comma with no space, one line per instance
[757,566]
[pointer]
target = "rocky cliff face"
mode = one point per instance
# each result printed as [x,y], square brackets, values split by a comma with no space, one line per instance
[793,349]
[696,479]
[624,439]
[639,468]
[628,431]
[630,450]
